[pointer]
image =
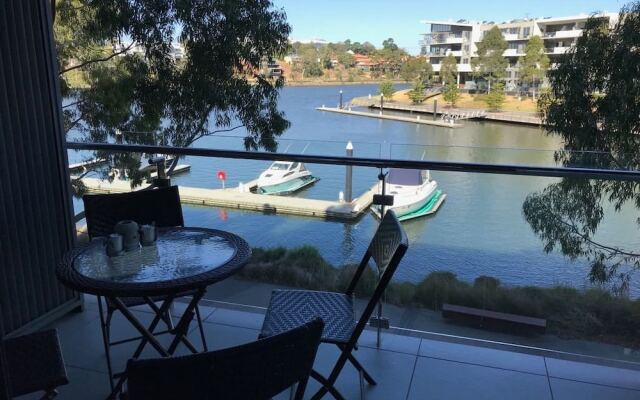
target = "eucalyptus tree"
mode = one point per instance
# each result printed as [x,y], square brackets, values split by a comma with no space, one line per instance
[449,70]
[535,63]
[490,62]
[594,105]
[119,71]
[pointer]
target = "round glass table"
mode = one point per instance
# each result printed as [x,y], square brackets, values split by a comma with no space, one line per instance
[182,259]
[182,262]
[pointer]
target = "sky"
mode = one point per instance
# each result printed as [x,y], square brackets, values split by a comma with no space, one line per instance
[376,20]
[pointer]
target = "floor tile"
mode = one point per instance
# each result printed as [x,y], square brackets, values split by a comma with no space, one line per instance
[391,370]
[390,341]
[483,356]
[592,373]
[569,390]
[441,379]
[237,318]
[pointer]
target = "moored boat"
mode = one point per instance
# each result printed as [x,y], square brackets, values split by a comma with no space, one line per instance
[284,177]
[414,193]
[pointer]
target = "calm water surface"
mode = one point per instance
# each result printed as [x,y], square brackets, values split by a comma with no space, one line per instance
[479,230]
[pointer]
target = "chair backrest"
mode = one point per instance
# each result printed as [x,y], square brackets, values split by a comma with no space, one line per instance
[257,370]
[160,206]
[388,246]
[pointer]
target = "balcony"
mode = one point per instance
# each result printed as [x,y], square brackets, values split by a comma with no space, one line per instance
[557,49]
[408,364]
[571,33]
[446,38]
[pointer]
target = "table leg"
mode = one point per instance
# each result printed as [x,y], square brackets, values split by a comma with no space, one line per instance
[182,328]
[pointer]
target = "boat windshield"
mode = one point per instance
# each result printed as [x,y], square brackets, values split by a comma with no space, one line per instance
[280,166]
[410,177]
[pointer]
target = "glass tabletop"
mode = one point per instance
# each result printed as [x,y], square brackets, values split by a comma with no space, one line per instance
[176,254]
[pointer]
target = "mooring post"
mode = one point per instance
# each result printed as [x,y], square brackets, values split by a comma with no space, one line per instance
[348,183]
[381,102]
[341,99]
[435,109]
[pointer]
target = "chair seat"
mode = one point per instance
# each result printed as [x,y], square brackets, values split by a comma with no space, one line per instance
[35,363]
[291,308]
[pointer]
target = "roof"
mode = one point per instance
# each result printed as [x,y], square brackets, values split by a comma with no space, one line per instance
[412,177]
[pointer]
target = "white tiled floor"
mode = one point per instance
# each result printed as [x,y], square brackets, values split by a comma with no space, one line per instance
[405,367]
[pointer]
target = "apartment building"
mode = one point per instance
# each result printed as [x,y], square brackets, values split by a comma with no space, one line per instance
[460,39]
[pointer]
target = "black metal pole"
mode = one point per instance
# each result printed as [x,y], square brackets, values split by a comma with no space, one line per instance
[341,99]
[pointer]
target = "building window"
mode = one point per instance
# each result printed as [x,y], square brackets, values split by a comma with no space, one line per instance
[526,32]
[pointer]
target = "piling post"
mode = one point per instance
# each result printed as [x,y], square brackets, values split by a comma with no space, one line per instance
[435,109]
[381,102]
[341,99]
[348,182]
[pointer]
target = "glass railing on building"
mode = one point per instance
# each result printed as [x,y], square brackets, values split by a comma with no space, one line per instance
[479,264]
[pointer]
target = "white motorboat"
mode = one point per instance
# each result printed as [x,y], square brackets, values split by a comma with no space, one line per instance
[284,177]
[414,193]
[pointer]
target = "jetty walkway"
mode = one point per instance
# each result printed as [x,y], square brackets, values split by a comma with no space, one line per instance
[416,120]
[243,199]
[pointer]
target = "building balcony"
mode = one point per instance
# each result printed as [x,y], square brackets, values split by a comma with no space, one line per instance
[444,38]
[557,50]
[407,365]
[573,33]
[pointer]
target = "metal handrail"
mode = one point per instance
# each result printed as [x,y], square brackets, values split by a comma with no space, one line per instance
[555,172]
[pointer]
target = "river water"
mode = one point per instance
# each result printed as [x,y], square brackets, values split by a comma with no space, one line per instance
[479,230]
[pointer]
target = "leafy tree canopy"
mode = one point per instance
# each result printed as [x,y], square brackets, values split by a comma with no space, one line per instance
[451,93]
[535,63]
[449,69]
[387,90]
[490,63]
[594,105]
[123,51]
[416,68]
[417,94]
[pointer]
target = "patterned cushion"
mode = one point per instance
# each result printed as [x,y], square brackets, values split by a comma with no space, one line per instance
[291,308]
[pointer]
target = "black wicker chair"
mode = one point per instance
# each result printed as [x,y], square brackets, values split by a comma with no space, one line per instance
[289,308]
[159,206]
[33,363]
[257,370]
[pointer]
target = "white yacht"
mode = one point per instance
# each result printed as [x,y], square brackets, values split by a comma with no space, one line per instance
[284,177]
[414,193]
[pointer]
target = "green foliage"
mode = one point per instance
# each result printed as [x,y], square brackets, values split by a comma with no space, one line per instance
[173,102]
[535,63]
[391,58]
[495,98]
[570,313]
[417,94]
[347,59]
[490,63]
[387,89]
[312,69]
[451,93]
[593,106]
[416,68]
[449,70]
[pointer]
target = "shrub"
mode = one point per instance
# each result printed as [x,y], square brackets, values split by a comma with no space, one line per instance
[416,94]
[571,313]
[495,98]
[387,89]
[451,93]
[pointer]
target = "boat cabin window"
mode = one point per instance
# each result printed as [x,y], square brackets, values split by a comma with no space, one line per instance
[294,165]
[279,166]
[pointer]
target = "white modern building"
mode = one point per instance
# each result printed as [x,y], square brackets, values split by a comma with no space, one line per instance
[460,38]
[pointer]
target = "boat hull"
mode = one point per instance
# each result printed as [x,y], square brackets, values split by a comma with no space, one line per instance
[288,187]
[407,206]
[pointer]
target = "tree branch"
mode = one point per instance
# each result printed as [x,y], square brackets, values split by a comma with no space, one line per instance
[81,65]
[596,244]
